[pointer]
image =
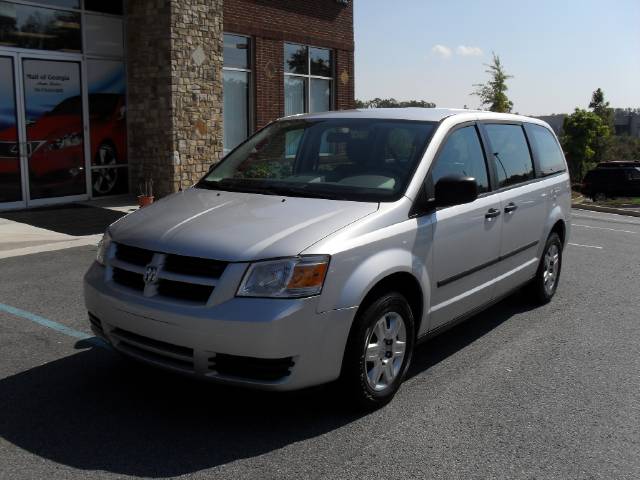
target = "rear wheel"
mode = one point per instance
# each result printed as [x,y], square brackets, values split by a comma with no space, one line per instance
[544,285]
[599,197]
[378,351]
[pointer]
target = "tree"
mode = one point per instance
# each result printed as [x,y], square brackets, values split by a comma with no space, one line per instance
[602,109]
[622,147]
[493,93]
[583,132]
[393,103]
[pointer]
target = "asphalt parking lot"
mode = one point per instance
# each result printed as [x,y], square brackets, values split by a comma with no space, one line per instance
[515,392]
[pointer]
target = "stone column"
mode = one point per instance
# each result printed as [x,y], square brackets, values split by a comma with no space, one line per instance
[174,64]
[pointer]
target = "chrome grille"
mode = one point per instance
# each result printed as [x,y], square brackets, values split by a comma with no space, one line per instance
[155,274]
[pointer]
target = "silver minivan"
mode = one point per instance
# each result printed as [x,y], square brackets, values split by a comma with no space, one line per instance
[326,246]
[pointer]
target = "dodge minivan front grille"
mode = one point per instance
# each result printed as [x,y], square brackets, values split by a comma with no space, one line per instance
[128,279]
[170,276]
[184,291]
[134,255]
[200,267]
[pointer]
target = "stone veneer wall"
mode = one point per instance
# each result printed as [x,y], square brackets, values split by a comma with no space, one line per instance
[174,64]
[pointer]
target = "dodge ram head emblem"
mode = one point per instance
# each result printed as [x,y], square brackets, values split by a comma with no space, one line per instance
[150,274]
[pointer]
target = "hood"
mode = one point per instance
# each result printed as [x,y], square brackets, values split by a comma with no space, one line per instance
[234,226]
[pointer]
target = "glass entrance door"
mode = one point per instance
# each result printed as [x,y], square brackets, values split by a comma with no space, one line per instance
[54,127]
[11,192]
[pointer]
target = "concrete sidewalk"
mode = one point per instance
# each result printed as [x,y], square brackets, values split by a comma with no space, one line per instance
[54,228]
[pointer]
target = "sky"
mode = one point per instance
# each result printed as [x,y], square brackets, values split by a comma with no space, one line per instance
[559,51]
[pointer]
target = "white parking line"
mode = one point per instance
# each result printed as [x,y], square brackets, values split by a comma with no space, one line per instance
[50,247]
[603,228]
[585,246]
[612,218]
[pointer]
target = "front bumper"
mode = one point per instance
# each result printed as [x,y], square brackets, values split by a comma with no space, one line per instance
[262,334]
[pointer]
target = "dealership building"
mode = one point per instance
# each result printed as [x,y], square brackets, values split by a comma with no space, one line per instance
[99,97]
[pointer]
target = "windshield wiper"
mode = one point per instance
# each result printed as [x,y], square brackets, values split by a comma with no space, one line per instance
[303,191]
[266,188]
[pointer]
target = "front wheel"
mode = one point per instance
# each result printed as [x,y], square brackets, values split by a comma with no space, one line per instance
[379,351]
[544,285]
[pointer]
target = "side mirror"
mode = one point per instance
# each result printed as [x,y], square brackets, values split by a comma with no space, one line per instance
[455,190]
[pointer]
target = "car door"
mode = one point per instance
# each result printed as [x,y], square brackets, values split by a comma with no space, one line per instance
[633,181]
[524,203]
[466,238]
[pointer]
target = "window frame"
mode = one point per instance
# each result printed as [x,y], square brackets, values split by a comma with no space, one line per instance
[308,76]
[492,164]
[536,155]
[251,88]
[490,177]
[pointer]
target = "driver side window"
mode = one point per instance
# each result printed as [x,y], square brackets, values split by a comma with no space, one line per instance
[462,154]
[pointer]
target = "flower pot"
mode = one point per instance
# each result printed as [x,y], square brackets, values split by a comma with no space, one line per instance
[144,200]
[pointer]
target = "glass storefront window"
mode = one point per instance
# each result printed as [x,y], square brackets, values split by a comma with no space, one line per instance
[236,51]
[320,98]
[308,79]
[104,35]
[10,181]
[24,26]
[106,81]
[294,95]
[236,108]
[296,59]
[61,3]
[58,154]
[236,90]
[320,60]
[53,115]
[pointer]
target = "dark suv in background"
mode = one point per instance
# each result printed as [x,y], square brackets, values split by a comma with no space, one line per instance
[613,179]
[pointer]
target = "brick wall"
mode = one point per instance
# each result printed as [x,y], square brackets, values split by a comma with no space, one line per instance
[149,114]
[268,84]
[271,23]
[174,65]
[196,73]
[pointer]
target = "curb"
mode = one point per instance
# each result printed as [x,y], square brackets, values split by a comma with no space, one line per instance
[595,208]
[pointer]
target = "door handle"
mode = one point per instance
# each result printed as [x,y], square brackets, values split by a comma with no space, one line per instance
[492,213]
[510,208]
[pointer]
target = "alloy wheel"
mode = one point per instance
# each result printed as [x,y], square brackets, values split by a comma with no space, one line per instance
[105,179]
[551,268]
[385,348]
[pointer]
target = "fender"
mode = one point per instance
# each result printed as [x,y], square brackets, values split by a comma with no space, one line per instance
[350,290]
[554,216]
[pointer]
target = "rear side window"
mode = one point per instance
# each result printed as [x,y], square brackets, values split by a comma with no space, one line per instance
[547,150]
[634,174]
[462,155]
[510,154]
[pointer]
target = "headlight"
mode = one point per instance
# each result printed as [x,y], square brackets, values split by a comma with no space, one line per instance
[287,278]
[103,248]
[66,141]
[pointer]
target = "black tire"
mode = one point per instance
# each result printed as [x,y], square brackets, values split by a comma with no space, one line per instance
[354,379]
[599,197]
[540,290]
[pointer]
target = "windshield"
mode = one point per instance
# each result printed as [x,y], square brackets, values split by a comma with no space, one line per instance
[368,160]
